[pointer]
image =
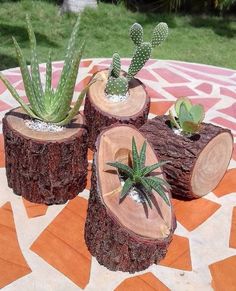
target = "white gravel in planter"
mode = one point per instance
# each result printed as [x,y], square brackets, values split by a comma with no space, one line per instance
[38,125]
[117,98]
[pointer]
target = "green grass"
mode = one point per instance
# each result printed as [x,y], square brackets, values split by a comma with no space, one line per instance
[208,40]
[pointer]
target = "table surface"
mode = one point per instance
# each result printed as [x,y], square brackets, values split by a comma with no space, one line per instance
[42,248]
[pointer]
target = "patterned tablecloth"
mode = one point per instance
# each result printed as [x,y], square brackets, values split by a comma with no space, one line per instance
[42,248]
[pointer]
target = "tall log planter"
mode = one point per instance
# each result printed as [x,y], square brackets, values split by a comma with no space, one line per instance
[126,236]
[100,112]
[45,167]
[197,163]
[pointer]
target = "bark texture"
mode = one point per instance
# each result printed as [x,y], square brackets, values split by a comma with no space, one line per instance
[113,245]
[97,120]
[49,172]
[181,151]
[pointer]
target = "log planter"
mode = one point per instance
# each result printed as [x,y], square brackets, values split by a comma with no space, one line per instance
[126,236]
[45,167]
[198,163]
[100,112]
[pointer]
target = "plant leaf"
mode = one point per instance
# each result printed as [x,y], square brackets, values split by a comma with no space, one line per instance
[17,97]
[77,105]
[68,58]
[184,115]
[147,198]
[135,156]
[142,157]
[180,101]
[145,184]
[148,169]
[158,188]
[160,181]
[35,74]
[127,186]
[122,167]
[190,127]
[197,113]
[26,79]
[173,121]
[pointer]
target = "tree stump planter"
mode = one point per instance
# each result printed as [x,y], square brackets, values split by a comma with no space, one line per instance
[124,236]
[45,167]
[100,112]
[198,163]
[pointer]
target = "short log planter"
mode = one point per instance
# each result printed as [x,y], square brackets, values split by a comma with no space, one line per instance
[45,167]
[198,163]
[126,236]
[100,112]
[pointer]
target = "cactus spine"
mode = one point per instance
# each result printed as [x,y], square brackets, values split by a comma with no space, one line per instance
[118,85]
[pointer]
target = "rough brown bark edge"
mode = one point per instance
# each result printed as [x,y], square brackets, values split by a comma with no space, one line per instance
[112,244]
[181,151]
[49,172]
[97,120]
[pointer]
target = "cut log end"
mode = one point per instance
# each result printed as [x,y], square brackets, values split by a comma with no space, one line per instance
[211,164]
[127,236]
[45,167]
[100,112]
[197,163]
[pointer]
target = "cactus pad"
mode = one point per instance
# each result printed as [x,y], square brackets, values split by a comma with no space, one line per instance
[160,33]
[136,34]
[117,86]
[115,67]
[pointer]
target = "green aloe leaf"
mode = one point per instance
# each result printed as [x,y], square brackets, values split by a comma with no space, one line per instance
[148,169]
[136,164]
[26,108]
[146,186]
[190,127]
[76,107]
[158,188]
[184,115]
[180,101]
[26,79]
[127,186]
[35,74]
[147,198]
[69,58]
[197,113]
[142,156]
[160,181]
[122,167]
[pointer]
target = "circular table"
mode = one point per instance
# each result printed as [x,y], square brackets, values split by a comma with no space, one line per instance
[42,248]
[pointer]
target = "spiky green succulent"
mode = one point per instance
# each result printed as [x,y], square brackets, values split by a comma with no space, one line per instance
[139,176]
[188,116]
[142,53]
[47,104]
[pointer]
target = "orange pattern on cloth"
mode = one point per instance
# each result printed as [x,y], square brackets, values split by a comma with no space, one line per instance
[178,254]
[232,240]
[12,262]
[146,282]
[227,184]
[62,243]
[190,214]
[2,152]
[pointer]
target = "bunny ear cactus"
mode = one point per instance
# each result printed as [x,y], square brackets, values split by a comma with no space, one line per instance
[189,116]
[117,85]
[46,104]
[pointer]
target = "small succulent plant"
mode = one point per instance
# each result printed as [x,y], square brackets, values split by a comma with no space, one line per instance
[47,104]
[189,116]
[118,85]
[140,176]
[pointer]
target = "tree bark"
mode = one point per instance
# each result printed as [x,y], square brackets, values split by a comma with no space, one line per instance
[100,113]
[45,167]
[197,164]
[124,236]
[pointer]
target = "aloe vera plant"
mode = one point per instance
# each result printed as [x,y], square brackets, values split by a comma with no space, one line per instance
[189,116]
[140,176]
[118,85]
[47,104]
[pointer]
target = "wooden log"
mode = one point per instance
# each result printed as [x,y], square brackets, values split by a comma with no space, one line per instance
[100,112]
[198,163]
[126,236]
[45,167]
